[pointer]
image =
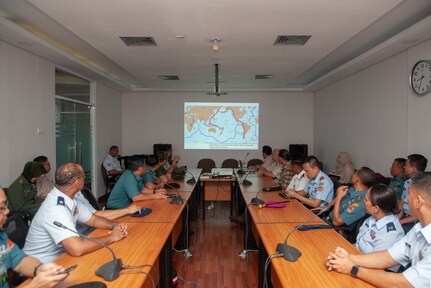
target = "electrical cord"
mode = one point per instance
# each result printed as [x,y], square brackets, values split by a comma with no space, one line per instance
[187,230]
[142,272]
[267,262]
[188,282]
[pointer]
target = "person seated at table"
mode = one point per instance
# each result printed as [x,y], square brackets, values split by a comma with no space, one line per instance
[286,174]
[320,188]
[46,241]
[22,192]
[43,183]
[412,251]
[267,159]
[112,164]
[164,172]
[12,257]
[349,204]
[107,213]
[274,169]
[299,180]
[397,180]
[382,229]
[345,168]
[414,163]
[130,187]
[151,181]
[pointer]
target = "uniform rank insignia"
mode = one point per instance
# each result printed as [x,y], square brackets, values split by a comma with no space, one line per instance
[352,207]
[373,234]
[75,211]
[322,178]
[320,189]
[359,198]
[60,201]
[390,227]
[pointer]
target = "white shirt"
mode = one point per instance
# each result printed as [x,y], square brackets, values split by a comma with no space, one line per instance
[44,238]
[415,248]
[275,168]
[111,163]
[298,182]
[267,162]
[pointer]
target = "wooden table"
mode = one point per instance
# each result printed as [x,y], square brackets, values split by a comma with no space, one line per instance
[217,189]
[310,269]
[145,244]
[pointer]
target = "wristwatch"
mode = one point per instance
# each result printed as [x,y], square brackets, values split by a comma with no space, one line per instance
[355,270]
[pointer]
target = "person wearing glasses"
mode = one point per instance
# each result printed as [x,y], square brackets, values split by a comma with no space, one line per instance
[46,241]
[12,257]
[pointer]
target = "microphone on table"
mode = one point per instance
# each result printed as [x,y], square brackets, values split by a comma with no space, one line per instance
[191,180]
[256,201]
[241,170]
[176,199]
[108,271]
[291,253]
[246,182]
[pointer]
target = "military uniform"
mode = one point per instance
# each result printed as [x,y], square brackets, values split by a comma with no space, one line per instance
[11,256]
[298,182]
[128,186]
[352,207]
[285,176]
[405,197]
[320,188]
[379,235]
[397,184]
[415,248]
[149,176]
[44,238]
[111,163]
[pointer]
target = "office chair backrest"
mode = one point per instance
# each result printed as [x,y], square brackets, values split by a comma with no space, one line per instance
[206,164]
[254,162]
[230,163]
[90,198]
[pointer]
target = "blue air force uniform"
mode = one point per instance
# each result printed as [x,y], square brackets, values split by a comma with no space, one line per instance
[320,188]
[379,235]
[352,207]
[415,248]
[44,238]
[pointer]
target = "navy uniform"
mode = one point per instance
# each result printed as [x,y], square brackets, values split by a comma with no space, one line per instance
[415,248]
[11,256]
[44,238]
[320,188]
[397,184]
[128,186]
[379,235]
[352,207]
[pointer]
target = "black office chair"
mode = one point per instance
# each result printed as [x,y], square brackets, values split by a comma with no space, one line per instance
[109,182]
[350,232]
[90,198]
[254,162]
[230,163]
[206,164]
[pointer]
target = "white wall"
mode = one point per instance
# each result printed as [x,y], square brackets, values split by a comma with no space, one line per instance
[26,103]
[148,118]
[108,127]
[374,115]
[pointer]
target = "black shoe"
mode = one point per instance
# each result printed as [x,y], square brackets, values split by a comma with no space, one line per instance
[237,219]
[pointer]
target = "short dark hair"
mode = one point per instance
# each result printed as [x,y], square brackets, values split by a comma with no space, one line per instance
[385,198]
[267,150]
[401,161]
[41,159]
[418,161]
[162,155]
[312,161]
[284,154]
[152,161]
[422,183]
[367,176]
[135,162]
[67,173]
[113,147]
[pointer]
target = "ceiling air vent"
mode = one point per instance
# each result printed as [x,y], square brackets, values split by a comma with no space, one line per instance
[291,39]
[139,41]
[263,76]
[169,77]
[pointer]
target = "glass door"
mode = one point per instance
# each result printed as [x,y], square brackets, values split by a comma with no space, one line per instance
[74,135]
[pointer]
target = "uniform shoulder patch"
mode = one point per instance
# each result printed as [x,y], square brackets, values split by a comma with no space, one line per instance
[321,178]
[390,227]
[60,201]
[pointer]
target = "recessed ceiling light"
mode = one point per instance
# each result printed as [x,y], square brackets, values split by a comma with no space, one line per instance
[169,77]
[263,76]
[180,36]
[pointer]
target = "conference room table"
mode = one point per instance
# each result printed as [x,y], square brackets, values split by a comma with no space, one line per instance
[267,227]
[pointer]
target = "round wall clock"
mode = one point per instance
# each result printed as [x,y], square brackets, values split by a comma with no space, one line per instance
[420,78]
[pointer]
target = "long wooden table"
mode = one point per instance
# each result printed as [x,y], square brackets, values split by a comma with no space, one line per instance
[266,227]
